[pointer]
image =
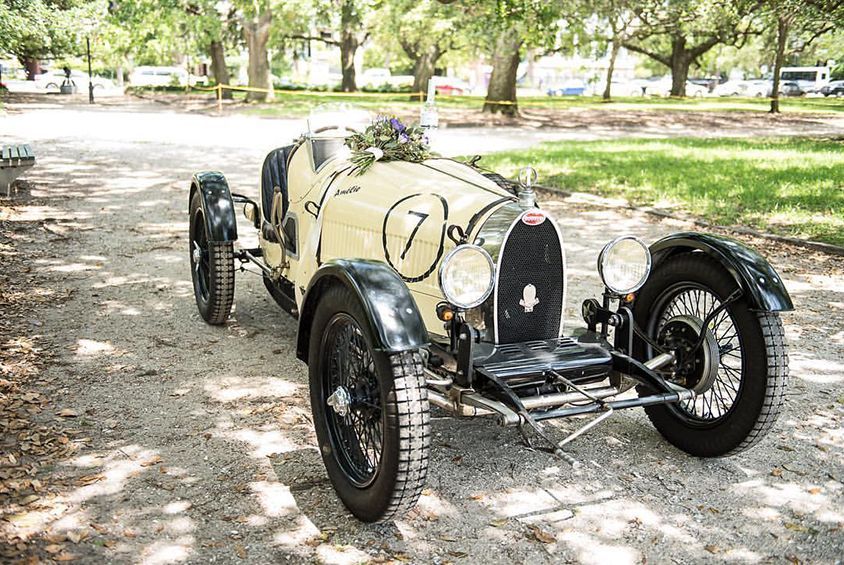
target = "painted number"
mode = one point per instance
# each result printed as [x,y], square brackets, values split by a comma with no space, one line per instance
[422,217]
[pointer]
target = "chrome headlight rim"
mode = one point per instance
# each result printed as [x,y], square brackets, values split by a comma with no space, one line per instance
[648,265]
[447,260]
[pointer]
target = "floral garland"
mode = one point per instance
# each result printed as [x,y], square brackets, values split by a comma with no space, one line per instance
[387,139]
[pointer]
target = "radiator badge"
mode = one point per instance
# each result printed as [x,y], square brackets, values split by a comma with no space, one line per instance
[529,299]
[533,218]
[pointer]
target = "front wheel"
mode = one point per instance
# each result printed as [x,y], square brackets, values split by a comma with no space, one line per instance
[740,371]
[370,409]
[212,268]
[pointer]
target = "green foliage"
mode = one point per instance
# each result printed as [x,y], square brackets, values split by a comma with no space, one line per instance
[43,28]
[789,186]
[387,139]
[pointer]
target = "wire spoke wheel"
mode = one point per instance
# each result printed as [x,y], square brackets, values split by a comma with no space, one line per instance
[199,254]
[355,417]
[737,365]
[692,301]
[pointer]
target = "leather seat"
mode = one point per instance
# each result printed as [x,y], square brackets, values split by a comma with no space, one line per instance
[274,174]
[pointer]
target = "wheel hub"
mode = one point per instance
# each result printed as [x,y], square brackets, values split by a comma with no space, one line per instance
[340,401]
[695,368]
[196,255]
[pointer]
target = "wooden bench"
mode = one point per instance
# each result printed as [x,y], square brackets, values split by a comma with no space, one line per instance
[14,160]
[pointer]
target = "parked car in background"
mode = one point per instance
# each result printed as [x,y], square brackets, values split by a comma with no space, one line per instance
[662,87]
[835,88]
[573,87]
[53,79]
[158,76]
[791,88]
[757,88]
[750,88]
[449,86]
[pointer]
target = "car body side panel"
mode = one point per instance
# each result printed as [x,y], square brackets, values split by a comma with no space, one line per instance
[405,224]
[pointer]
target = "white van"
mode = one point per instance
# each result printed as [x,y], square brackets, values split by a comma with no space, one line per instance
[158,76]
[809,79]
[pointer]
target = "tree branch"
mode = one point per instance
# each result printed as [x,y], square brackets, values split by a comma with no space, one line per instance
[311,38]
[636,49]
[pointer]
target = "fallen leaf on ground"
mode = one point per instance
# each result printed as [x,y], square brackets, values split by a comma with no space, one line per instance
[711,548]
[542,535]
[151,461]
[53,548]
[498,523]
[77,536]
[65,557]
[240,550]
[90,479]
[68,413]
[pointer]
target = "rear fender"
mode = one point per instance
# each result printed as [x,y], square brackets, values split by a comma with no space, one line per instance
[762,286]
[217,205]
[391,312]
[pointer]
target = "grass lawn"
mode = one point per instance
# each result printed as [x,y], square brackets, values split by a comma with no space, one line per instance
[294,104]
[789,186]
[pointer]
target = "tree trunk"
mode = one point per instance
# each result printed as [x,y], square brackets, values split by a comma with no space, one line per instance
[782,37]
[681,60]
[349,22]
[423,69]
[218,66]
[348,47]
[501,93]
[31,66]
[257,32]
[611,67]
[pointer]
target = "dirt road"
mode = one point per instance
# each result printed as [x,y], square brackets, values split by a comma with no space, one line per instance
[195,443]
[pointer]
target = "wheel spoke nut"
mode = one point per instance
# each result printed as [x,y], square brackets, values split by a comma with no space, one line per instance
[340,400]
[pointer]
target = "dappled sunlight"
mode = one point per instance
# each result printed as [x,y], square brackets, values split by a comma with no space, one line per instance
[792,496]
[294,536]
[93,348]
[341,555]
[162,552]
[590,550]
[821,371]
[230,389]
[275,498]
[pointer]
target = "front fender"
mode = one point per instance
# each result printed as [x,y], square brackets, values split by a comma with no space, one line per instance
[391,312]
[217,205]
[761,284]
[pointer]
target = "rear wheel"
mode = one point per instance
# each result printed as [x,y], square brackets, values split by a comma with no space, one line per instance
[739,373]
[212,268]
[370,410]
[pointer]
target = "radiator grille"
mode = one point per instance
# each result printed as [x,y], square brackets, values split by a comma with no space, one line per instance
[531,255]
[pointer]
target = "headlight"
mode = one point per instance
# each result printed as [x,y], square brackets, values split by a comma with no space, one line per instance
[467,275]
[624,264]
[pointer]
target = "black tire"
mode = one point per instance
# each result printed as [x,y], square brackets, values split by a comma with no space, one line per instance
[754,379]
[211,267]
[389,482]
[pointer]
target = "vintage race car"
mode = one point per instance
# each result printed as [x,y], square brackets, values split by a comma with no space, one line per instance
[440,283]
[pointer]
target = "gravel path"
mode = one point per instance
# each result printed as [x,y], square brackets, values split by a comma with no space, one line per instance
[200,442]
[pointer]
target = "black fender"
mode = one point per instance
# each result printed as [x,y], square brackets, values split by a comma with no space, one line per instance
[217,205]
[762,286]
[391,312]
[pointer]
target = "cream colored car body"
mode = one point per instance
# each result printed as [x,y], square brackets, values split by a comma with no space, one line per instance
[372,216]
